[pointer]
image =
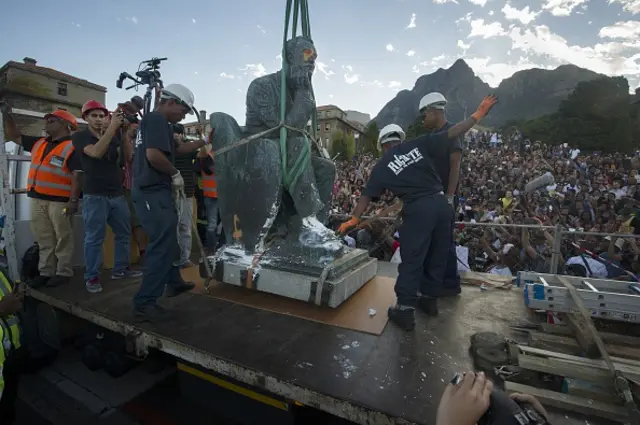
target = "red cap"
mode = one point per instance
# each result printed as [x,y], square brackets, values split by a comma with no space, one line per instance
[91,105]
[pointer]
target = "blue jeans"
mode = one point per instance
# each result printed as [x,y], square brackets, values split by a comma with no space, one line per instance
[159,220]
[211,204]
[97,212]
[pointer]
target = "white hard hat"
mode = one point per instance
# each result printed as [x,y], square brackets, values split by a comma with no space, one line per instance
[180,93]
[390,133]
[433,100]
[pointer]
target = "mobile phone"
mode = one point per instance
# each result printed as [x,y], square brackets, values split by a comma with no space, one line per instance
[457,378]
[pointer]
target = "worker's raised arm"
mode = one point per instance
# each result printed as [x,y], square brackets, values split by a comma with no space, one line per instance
[462,127]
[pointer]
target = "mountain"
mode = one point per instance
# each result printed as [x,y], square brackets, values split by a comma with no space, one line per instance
[525,95]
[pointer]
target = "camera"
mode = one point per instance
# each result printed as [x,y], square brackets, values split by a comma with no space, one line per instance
[131,109]
[148,74]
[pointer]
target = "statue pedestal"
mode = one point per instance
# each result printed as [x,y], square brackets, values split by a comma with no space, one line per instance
[324,281]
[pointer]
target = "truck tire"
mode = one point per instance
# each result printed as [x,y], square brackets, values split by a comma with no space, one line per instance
[116,364]
[92,357]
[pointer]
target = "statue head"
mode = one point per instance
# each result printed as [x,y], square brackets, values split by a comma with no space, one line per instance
[301,59]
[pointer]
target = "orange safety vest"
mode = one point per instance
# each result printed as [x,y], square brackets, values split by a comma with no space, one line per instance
[209,184]
[50,175]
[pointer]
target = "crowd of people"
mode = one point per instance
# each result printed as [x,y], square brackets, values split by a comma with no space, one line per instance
[592,192]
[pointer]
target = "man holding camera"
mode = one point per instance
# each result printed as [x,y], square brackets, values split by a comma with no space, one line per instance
[158,190]
[103,202]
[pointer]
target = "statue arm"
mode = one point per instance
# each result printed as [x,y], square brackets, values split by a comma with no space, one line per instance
[300,113]
[263,109]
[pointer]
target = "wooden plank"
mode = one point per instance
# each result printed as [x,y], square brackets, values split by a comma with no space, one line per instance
[589,390]
[570,402]
[576,359]
[571,346]
[597,374]
[583,335]
[607,337]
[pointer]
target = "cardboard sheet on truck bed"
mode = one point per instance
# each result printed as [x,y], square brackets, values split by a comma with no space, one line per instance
[377,295]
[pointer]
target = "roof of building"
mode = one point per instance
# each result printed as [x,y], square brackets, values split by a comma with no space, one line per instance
[327,107]
[50,72]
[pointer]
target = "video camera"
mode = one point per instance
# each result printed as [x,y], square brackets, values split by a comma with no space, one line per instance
[148,74]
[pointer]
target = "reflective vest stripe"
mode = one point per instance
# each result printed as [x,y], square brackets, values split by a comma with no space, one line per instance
[2,357]
[46,178]
[10,326]
[209,186]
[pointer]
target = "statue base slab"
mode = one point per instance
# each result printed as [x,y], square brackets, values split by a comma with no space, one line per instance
[325,282]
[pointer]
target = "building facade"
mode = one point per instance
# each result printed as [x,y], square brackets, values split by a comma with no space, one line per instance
[25,85]
[332,119]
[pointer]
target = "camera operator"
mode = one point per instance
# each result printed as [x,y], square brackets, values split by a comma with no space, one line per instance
[466,403]
[103,202]
[155,181]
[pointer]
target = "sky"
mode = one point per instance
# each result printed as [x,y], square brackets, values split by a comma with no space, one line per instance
[368,50]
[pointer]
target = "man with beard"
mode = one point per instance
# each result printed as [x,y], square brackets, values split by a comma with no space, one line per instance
[263,112]
[432,107]
[301,187]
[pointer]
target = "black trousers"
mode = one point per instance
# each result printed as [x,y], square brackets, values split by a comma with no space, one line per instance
[425,241]
[11,375]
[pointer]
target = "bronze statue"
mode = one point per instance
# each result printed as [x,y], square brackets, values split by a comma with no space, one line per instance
[254,205]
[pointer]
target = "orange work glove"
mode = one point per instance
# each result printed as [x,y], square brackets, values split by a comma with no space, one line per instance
[348,225]
[484,107]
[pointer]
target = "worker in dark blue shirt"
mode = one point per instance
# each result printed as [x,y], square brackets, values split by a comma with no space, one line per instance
[432,106]
[157,188]
[407,170]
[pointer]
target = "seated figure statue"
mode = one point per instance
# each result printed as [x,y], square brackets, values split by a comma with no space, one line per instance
[255,208]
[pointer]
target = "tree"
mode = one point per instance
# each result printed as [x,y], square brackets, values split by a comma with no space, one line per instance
[417,128]
[370,140]
[343,145]
[597,116]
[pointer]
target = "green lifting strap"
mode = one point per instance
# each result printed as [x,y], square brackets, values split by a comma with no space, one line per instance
[291,176]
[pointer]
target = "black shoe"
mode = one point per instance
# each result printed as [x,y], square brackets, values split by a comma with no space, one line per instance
[428,305]
[38,281]
[175,290]
[58,280]
[151,313]
[403,317]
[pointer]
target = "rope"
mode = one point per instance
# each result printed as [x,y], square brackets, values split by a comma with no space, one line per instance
[290,177]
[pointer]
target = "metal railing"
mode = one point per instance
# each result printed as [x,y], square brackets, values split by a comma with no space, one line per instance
[558,232]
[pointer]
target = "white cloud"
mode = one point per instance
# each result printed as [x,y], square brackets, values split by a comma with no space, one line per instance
[411,53]
[390,47]
[229,76]
[350,77]
[561,7]
[415,69]
[525,15]
[612,58]
[193,20]
[279,57]
[480,29]
[132,19]
[324,68]
[494,73]
[632,6]
[262,30]
[462,45]
[491,13]
[76,25]
[412,21]
[480,3]
[627,30]
[444,1]
[255,69]
[394,84]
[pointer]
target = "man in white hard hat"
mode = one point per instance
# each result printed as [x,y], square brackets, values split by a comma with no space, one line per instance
[407,170]
[432,107]
[155,183]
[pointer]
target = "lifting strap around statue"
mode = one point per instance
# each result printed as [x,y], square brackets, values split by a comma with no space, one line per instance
[290,176]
